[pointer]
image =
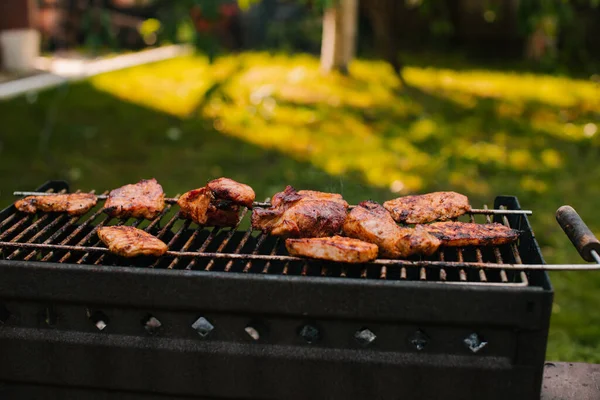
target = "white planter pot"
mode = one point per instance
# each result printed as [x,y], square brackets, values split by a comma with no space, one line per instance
[20,49]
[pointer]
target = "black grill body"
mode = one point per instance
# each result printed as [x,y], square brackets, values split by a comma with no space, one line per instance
[268,336]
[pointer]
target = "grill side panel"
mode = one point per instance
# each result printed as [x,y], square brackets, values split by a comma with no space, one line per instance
[229,364]
[247,371]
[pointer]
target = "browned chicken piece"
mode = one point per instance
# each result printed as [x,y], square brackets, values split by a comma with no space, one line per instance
[224,216]
[72,204]
[312,214]
[230,190]
[144,199]
[289,196]
[370,222]
[216,204]
[336,248]
[127,241]
[194,205]
[420,209]
[459,234]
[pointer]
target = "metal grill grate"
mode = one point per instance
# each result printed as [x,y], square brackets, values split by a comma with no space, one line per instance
[60,238]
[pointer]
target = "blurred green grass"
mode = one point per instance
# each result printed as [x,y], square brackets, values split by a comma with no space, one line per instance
[272,120]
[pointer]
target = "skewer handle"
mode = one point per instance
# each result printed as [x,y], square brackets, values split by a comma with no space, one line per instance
[578,232]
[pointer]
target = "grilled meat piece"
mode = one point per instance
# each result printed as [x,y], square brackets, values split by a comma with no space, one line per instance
[301,214]
[230,190]
[337,248]
[420,209]
[222,216]
[194,205]
[72,204]
[216,204]
[459,234]
[289,196]
[144,199]
[128,241]
[370,222]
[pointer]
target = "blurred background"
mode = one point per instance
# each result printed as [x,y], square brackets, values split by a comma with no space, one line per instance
[372,99]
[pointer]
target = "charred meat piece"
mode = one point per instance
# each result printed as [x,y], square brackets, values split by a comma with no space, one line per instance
[336,248]
[144,199]
[194,205]
[216,204]
[370,222]
[230,190]
[72,204]
[459,234]
[301,214]
[420,209]
[127,241]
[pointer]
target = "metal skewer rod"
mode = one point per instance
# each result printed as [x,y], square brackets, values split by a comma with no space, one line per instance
[407,263]
[596,256]
[172,200]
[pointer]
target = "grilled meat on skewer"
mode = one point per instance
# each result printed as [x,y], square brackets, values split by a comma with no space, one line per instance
[459,234]
[128,241]
[216,204]
[337,248]
[304,213]
[420,209]
[194,205]
[72,204]
[370,222]
[144,199]
[230,190]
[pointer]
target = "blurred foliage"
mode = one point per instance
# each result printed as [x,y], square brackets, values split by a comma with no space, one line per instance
[273,120]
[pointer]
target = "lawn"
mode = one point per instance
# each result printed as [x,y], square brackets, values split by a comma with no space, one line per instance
[272,120]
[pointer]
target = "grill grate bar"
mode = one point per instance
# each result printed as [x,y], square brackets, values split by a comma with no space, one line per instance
[51,238]
[479,256]
[56,234]
[443,274]
[259,242]
[16,226]
[207,241]
[304,271]
[174,239]
[239,248]
[186,246]
[7,220]
[40,233]
[78,230]
[462,275]
[35,237]
[497,254]
[227,238]
[516,255]
[273,252]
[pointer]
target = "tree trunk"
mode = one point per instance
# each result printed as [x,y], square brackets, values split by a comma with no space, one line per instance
[383,15]
[338,45]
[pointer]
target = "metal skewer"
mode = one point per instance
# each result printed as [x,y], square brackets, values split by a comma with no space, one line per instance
[445,264]
[171,200]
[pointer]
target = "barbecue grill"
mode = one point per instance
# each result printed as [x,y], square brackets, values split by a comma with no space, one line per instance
[227,313]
